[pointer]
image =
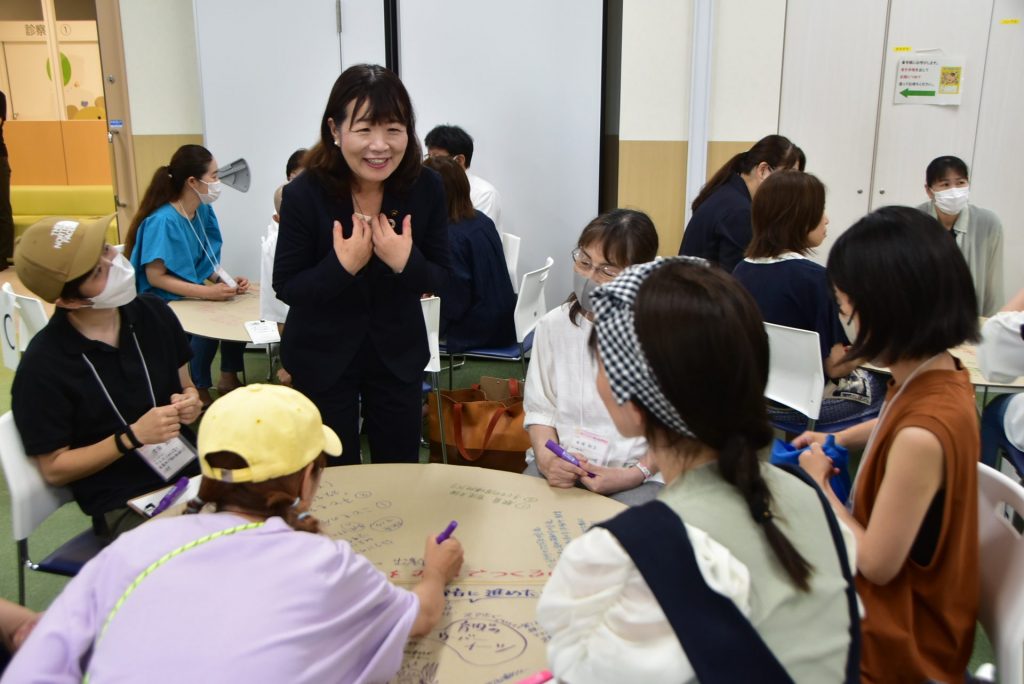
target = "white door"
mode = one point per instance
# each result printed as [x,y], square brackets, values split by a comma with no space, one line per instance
[524,79]
[831,68]
[266,69]
[995,174]
[32,96]
[910,136]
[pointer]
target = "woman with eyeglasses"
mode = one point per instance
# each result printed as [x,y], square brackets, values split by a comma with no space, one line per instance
[561,400]
[977,232]
[174,244]
[719,229]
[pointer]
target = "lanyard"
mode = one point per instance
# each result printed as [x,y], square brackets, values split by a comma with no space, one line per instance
[149,382]
[868,452]
[152,567]
[207,252]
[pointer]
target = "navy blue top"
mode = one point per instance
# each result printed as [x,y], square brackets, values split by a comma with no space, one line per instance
[795,293]
[478,301]
[720,229]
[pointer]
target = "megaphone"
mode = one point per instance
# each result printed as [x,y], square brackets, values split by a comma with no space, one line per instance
[235,175]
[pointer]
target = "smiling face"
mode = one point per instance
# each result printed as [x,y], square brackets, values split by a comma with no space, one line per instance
[372,150]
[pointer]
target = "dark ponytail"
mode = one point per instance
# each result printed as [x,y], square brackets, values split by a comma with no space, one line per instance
[739,465]
[775,150]
[167,185]
[712,365]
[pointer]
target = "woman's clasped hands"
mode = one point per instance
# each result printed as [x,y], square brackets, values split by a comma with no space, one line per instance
[373,236]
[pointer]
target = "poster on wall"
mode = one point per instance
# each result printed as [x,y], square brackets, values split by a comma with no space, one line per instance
[929,79]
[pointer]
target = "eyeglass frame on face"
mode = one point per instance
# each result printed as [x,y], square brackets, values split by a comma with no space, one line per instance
[585,266]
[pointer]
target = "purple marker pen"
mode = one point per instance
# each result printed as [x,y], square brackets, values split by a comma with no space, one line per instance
[170,497]
[447,531]
[561,453]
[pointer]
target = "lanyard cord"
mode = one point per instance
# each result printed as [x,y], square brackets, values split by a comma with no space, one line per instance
[207,253]
[152,567]
[145,368]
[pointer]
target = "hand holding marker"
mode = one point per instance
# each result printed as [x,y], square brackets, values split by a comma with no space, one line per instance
[447,531]
[561,453]
[177,490]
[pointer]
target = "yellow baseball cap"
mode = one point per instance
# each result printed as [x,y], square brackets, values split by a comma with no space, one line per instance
[275,429]
[56,250]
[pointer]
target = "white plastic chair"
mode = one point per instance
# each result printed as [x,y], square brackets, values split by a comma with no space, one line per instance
[795,377]
[432,317]
[32,502]
[1001,550]
[510,245]
[27,317]
[530,307]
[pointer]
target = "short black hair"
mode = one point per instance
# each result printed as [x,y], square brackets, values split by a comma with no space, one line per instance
[940,166]
[294,162]
[908,283]
[453,140]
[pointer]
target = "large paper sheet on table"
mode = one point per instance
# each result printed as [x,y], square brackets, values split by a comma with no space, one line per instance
[513,528]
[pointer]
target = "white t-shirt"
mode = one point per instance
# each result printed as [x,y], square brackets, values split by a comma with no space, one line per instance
[485,199]
[1001,359]
[561,392]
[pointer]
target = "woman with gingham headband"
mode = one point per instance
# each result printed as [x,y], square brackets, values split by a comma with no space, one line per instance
[738,571]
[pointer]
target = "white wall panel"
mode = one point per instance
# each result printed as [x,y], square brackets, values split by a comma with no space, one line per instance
[265,82]
[524,79]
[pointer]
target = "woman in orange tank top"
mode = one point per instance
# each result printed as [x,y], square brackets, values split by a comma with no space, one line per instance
[906,296]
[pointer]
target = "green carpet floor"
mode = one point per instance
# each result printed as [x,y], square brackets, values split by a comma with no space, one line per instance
[42,588]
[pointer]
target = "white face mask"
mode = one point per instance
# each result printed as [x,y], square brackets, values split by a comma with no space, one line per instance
[952,201]
[213,192]
[582,286]
[120,287]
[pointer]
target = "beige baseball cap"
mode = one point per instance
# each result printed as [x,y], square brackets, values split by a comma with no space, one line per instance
[275,429]
[56,250]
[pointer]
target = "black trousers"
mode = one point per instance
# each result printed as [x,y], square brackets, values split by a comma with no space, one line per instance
[6,215]
[392,410]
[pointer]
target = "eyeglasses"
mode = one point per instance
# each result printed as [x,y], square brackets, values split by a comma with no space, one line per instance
[586,265]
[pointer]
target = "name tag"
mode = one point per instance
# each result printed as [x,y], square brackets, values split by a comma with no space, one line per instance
[589,444]
[224,277]
[168,458]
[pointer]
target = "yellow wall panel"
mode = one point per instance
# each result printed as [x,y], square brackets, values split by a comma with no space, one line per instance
[36,152]
[86,152]
[154,151]
[719,152]
[652,178]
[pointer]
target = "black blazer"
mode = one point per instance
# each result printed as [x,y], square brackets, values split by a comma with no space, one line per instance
[333,312]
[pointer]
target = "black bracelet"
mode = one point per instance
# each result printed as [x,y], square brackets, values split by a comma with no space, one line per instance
[121,448]
[136,442]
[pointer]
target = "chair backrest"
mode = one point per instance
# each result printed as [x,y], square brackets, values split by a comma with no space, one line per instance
[510,245]
[23,317]
[795,377]
[432,317]
[32,500]
[1001,550]
[531,305]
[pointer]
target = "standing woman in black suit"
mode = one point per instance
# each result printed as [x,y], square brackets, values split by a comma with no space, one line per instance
[363,234]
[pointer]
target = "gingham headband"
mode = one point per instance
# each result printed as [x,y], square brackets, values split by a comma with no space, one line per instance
[629,373]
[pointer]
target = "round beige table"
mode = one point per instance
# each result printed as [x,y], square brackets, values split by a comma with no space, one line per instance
[219,320]
[513,529]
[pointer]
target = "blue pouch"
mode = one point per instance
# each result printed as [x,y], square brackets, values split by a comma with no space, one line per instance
[784,453]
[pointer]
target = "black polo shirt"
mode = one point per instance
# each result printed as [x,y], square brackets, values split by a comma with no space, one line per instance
[720,229]
[57,401]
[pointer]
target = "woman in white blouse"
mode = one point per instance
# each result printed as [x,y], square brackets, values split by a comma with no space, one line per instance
[560,401]
[756,584]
